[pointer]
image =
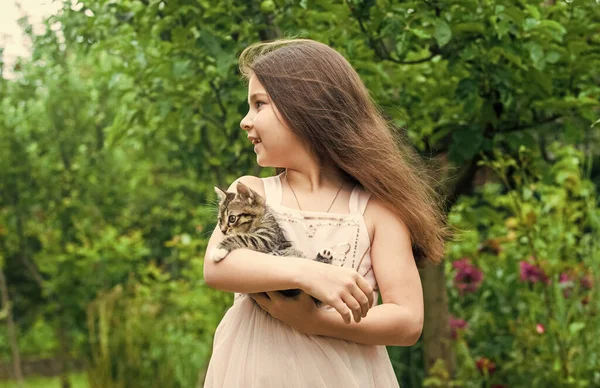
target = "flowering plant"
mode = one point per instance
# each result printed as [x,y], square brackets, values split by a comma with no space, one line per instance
[523,280]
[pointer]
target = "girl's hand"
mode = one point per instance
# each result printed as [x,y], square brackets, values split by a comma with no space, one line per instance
[300,312]
[341,288]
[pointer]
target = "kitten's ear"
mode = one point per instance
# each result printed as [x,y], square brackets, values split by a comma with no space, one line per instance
[244,191]
[220,193]
[247,194]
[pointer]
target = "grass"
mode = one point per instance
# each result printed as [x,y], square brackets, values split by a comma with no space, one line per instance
[77,381]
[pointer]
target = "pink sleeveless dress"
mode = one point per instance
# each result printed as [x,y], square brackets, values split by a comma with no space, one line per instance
[254,350]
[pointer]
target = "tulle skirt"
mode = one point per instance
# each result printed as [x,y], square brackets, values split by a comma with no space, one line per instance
[254,350]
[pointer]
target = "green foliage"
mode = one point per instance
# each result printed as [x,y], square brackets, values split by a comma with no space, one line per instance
[37,342]
[545,214]
[77,381]
[153,334]
[113,134]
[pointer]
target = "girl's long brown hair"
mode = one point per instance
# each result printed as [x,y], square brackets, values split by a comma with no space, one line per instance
[323,100]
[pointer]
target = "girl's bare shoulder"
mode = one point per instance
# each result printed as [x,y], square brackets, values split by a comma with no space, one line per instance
[379,216]
[255,183]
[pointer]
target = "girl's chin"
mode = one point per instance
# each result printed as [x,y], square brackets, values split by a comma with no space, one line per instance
[261,162]
[264,162]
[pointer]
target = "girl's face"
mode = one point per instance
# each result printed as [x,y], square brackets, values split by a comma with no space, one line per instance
[274,143]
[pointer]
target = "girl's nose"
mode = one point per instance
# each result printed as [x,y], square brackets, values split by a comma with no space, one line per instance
[246,123]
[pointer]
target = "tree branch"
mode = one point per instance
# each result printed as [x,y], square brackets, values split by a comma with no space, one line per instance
[219,101]
[379,47]
[462,182]
[413,62]
[522,127]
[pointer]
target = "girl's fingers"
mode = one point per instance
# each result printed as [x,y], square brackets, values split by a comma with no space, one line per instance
[341,308]
[304,295]
[360,296]
[260,296]
[274,295]
[366,289]
[261,299]
[354,306]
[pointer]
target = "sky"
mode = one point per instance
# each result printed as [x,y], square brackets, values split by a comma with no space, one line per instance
[11,37]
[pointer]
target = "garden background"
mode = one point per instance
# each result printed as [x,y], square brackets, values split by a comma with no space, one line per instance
[114,132]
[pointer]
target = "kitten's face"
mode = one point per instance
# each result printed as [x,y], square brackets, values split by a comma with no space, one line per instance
[240,212]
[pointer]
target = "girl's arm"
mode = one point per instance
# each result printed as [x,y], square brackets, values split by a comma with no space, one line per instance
[246,271]
[398,321]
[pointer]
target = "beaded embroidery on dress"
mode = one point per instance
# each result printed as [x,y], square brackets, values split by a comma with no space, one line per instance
[253,349]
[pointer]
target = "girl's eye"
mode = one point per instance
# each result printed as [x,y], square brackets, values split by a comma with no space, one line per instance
[257,104]
[232,219]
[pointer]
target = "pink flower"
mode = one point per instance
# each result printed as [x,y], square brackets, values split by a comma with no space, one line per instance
[532,273]
[462,263]
[457,324]
[586,282]
[485,366]
[566,280]
[468,278]
[540,328]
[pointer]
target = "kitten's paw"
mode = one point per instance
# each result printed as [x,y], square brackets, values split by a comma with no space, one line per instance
[218,254]
[325,256]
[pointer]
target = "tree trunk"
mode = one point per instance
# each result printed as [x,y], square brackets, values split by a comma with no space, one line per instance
[12,330]
[63,354]
[436,330]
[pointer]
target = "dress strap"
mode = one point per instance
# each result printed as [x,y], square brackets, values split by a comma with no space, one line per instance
[358,200]
[273,191]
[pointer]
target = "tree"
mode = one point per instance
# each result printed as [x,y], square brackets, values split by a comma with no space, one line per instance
[128,114]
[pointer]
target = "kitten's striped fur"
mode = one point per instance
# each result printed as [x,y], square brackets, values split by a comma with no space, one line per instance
[247,222]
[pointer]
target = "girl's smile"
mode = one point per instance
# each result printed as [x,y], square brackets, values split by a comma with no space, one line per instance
[274,142]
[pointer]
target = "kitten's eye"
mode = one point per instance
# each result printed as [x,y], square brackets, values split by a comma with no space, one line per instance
[232,219]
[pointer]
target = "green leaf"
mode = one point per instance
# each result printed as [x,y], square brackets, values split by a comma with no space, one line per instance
[533,11]
[556,29]
[552,56]
[466,143]
[529,24]
[502,28]
[467,88]
[420,33]
[442,33]
[514,13]
[576,327]
[536,53]
[473,27]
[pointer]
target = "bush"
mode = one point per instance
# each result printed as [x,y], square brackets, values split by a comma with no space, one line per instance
[156,331]
[523,283]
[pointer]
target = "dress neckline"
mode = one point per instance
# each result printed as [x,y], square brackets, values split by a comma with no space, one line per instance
[310,212]
[279,204]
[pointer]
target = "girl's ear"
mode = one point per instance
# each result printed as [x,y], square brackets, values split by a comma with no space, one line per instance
[220,193]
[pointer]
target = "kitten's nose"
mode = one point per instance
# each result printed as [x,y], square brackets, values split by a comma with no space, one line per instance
[224,230]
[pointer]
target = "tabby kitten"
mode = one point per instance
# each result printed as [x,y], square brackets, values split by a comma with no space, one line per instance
[247,222]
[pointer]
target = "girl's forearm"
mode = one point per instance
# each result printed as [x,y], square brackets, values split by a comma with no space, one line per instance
[386,324]
[247,271]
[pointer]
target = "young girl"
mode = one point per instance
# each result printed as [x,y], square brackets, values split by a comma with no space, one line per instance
[344,185]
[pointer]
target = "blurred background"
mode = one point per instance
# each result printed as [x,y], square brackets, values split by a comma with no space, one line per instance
[117,118]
